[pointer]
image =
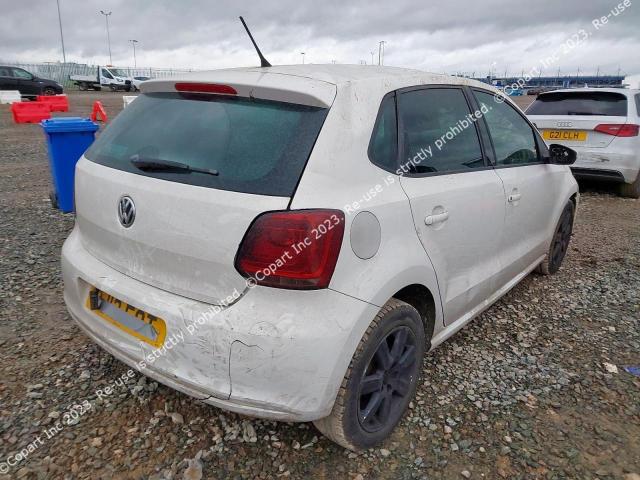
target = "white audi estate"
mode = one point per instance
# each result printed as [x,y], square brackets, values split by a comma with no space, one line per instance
[602,125]
[289,242]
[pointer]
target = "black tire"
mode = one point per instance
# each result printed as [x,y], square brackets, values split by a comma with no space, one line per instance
[361,419]
[127,89]
[113,88]
[631,190]
[49,91]
[83,86]
[559,243]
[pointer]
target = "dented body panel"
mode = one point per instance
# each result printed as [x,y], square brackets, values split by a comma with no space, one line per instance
[269,353]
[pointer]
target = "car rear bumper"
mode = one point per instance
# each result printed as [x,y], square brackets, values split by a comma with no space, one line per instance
[274,353]
[600,164]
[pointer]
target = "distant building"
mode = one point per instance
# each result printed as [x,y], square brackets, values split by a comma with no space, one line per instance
[569,81]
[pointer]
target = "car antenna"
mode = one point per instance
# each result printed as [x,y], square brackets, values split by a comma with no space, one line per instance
[263,61]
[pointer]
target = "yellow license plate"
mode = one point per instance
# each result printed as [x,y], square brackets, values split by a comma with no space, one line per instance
[130,319]
[566,135]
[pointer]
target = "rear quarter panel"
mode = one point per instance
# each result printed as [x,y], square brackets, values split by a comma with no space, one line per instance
[340,175]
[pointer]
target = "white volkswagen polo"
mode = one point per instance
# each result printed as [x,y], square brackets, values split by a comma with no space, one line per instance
[289,242]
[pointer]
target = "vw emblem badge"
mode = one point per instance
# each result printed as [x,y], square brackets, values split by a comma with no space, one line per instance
[126,211]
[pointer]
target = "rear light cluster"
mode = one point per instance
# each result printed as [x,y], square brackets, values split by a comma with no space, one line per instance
[292,249]
[618,129]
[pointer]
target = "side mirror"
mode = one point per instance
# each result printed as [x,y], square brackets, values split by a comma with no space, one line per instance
[561,155]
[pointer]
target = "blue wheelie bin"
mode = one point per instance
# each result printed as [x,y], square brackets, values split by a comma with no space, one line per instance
[67,139]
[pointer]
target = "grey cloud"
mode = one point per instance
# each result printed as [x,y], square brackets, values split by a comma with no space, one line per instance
[462,35]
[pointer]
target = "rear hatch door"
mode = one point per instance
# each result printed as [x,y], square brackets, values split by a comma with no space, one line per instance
[570,118]
[188,225]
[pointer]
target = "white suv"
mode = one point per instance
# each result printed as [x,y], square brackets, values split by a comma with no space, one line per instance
[289,242]
[601,125]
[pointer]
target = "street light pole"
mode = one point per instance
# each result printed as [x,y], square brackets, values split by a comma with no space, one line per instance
[371,58]
[381,52]
[64,56]
[135,63]
[106,16]
[302,53]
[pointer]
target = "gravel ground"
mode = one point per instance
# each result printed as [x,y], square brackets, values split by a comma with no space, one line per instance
[534,388]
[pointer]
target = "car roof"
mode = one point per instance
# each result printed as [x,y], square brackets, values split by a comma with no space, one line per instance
[338,74]
[314,84]
[341,74]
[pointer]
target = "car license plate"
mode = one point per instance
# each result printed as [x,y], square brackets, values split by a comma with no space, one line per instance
[130,319]
[567,135]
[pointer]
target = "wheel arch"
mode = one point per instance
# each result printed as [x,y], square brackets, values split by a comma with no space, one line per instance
[423,300]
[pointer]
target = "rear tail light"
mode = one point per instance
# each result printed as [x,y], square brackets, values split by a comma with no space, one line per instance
[618,129]
[292,249]
[205,88]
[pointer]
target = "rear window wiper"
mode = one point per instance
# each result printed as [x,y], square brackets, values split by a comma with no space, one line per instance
[158,165]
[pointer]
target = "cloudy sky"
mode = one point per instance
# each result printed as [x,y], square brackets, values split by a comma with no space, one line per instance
[465,36]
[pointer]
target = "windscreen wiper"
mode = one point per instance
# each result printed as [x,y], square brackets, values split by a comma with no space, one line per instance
[159,165]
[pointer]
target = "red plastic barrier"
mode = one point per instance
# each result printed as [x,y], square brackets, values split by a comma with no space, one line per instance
[30,112]
[57,103]
[99,111]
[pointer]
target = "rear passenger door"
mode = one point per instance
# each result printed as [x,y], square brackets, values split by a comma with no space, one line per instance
[456,198]
[531,185]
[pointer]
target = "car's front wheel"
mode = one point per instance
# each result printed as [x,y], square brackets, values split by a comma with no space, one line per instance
[381,379]
[48,91]
[560,242]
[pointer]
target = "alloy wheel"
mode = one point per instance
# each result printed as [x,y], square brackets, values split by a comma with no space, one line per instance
[388,380]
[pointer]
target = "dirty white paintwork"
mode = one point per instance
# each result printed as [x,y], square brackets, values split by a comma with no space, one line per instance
[275,353]
[281,353]
[600,151]
[184,239]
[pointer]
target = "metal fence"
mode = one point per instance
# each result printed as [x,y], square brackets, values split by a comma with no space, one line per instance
[60,72]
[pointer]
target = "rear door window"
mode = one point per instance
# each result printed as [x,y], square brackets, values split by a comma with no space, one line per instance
[257,146]
[580,103]
[437,135]
[512,137]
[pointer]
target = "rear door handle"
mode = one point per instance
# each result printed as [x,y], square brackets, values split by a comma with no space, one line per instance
[438,218]
[514,197]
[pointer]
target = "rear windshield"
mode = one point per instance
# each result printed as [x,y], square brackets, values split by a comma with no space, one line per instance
[580,103]
[257,146]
